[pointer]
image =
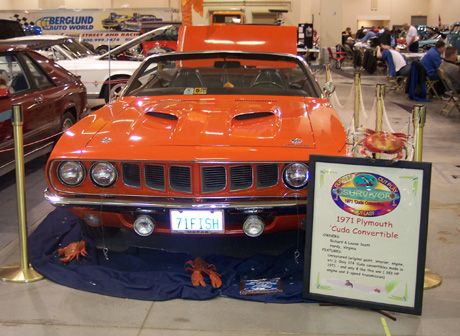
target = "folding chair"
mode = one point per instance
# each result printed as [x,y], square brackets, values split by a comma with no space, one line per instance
[430,83]
[454,98]
[397,83]
[336,57]
[349,56]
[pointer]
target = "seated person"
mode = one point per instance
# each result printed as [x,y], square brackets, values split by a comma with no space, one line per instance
[397,64]
[451,67]
[350,42]
[432,60]
[360,33]
[369,34]
[346,35]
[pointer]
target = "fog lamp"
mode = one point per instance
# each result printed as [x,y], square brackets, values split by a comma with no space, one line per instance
[92,219]
[144,225]
[253,226]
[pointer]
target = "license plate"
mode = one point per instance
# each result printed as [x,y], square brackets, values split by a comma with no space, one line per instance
[197,221]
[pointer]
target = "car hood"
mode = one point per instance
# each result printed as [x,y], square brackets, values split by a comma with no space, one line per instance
[130,44]
[259,128]
[96,62]
[214,121]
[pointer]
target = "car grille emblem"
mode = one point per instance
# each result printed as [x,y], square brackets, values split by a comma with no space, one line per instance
[296,141]
[106,140]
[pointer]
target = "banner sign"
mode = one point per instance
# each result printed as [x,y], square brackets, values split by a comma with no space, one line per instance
[69,21]
[366,232]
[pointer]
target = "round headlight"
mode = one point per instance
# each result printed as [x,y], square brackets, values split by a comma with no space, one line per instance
[71,173]
[295,175]
[103,174]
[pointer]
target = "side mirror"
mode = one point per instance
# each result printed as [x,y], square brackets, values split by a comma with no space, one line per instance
[328,89]
[5,93]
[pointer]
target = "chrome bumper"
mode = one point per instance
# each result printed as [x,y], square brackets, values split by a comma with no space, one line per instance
[117,205]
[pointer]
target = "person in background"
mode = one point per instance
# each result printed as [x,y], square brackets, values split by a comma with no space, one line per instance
[350,42]
[397,64]
[346,34]
[385,37]
[432,61]
[451,67]
[369,34]
[360,33]
[411,37]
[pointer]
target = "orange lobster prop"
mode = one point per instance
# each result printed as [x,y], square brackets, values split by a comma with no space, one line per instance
[382,142]
[200,267]
[73,250]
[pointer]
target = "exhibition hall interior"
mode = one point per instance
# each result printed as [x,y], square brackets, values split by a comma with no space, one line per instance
[221,167]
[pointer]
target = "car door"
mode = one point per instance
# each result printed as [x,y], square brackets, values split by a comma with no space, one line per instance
[45,116]
[86,68]
[37,106]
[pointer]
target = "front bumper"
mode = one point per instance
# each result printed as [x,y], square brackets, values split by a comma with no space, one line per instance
[111,204]
[277,214]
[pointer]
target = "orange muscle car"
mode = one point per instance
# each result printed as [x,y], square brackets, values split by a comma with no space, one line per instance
[210,141]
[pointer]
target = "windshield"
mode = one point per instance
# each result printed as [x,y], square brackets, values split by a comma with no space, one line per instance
[75,49]
[167,35]
[223,73]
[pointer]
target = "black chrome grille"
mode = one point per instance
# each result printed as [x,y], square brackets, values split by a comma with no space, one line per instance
[241,177]
[267,175]
[180,178]
[155,177]
[131,174]
[213,178]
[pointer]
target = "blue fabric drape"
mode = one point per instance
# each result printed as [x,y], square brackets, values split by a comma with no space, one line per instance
[153,274]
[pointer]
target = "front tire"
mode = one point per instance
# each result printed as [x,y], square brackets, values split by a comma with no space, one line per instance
[68,120]
[101,50]
[114,89]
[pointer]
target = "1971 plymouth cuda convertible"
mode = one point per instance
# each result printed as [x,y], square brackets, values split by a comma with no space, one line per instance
[213,142]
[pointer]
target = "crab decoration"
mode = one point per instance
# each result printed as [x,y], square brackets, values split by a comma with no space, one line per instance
[200,267]
[382,142]
[73,250]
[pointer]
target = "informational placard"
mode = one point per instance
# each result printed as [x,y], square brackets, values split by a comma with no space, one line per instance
[366,232]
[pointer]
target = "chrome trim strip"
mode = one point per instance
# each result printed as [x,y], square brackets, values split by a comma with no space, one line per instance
[66,202]
[11,165]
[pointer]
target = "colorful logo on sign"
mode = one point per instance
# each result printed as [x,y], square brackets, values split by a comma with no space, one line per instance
[65,23]
[365,194]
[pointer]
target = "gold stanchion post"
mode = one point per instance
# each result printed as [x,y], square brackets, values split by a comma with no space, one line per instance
[327,67]
[432,279]
[357,81]
[379,114]
[23,271]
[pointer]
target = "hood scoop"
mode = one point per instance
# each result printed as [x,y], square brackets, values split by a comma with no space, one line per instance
[252,115]
[161,115]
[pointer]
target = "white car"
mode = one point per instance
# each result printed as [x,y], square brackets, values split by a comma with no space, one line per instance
[103,75]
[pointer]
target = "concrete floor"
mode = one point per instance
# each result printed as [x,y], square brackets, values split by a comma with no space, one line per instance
[45,308]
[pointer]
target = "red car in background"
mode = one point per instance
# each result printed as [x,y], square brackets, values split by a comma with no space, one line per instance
[52,100]
[167,41]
